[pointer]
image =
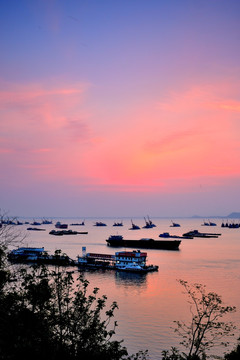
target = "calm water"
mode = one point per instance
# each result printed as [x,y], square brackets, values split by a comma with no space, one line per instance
[149,303]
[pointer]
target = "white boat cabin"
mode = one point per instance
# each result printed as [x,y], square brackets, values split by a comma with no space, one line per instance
[126,258]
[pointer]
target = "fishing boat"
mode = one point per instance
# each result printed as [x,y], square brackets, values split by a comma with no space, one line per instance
[46,222]
[36,223]
[144,243]
[134,226]
[175,224]
[208,223]
[148,224]
[118,223]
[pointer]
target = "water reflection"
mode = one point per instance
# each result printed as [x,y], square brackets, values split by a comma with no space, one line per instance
[128,279]
[149,303]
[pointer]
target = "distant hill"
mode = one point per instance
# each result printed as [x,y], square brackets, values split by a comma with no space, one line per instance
[233,215]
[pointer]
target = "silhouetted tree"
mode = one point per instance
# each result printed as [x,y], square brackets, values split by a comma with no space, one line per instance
[234,354]
[206,328]
[10,233]
[48,314]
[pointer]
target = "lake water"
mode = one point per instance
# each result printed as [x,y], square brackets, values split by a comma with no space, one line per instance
[149,303]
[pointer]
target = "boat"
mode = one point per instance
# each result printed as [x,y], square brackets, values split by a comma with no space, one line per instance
[132,261]
[46,222]
[148,224]
[66,232]
[196,233]
[134,226]
[39,255]
[35,229]
[145,243]
[208,223]
[115,237]
[175,224]
[118,223]
[26,254]
[36,223]
[233,226]
[100,223]
[95,261]
[59,225]
[168,236]
[79,224]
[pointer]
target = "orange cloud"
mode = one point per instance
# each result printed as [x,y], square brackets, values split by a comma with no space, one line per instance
[233,106]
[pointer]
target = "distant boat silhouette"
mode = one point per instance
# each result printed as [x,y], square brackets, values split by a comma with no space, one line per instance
[99,223]
[148,224]
[134,226]
[175,224]
[118,223]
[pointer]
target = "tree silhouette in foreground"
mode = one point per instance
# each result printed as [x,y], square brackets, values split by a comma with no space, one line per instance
[47,314]
[234,354]
[206,328]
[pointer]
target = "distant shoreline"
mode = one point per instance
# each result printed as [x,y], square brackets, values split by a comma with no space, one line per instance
[233,215]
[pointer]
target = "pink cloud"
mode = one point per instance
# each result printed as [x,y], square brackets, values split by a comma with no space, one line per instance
[43,127]
[180,141]
[185,137]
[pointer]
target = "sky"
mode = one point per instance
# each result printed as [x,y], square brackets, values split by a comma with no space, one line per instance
[119,108]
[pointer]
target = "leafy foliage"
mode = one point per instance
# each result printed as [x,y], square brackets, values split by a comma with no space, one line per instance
[234,354]
[46,314]
[207,327]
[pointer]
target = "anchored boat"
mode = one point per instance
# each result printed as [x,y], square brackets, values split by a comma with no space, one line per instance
[134,261]
[145,243]
[39,255]
[196,233]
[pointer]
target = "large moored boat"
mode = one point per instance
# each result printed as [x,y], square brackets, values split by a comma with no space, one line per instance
[145,243]
[134,261]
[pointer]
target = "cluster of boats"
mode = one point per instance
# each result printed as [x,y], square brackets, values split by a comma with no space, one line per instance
[134,261]
[124,260]
[148,224]
[209,223]
[231,225]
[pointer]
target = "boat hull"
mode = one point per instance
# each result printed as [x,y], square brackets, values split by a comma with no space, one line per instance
[146,244]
